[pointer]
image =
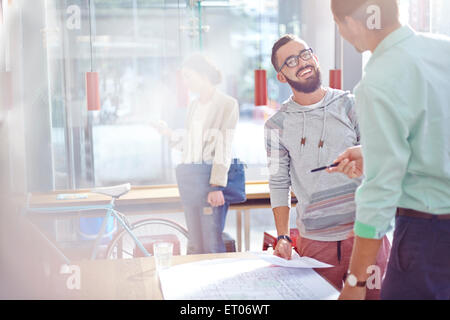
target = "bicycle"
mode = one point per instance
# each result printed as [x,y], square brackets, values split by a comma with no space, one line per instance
[117,248]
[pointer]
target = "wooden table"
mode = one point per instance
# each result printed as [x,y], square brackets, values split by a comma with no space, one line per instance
[165,199]
[129,279]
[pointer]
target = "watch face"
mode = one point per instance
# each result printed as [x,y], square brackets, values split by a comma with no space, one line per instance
[351,279]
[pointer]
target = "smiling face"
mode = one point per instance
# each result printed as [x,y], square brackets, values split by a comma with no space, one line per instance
[305,77]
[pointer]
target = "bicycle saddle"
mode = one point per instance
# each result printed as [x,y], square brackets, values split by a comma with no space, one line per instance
[114,191]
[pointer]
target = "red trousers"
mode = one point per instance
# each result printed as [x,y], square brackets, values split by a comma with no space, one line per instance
[338,253]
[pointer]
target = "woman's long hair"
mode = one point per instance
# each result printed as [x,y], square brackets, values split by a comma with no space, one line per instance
[204,67]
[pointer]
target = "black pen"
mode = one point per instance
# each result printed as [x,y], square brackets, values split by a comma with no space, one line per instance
[324,168]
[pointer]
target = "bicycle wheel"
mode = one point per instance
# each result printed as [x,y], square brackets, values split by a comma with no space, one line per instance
[123,246]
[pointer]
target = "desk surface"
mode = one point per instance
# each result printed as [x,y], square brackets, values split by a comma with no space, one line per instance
[134,279]
[258,190]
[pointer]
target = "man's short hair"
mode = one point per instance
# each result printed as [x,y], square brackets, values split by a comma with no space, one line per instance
[281,42]
[357,9]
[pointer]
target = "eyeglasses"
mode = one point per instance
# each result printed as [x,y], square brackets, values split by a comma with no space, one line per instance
[292,61]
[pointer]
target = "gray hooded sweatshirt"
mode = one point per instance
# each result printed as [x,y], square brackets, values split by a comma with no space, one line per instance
[301,138]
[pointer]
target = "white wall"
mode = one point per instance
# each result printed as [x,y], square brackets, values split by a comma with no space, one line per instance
[317,29]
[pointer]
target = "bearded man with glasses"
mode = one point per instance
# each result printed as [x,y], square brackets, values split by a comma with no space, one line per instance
[310,130]
[310,72]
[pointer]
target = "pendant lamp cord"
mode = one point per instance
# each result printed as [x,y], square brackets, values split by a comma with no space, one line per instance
[90,33]
[260,33]
[179,30]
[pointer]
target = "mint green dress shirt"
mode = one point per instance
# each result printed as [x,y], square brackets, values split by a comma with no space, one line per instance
[403,107]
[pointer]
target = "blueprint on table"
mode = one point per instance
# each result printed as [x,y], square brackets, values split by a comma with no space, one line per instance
[243,279]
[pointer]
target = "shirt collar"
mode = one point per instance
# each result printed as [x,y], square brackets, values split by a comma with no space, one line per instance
[391,40]
[291,106]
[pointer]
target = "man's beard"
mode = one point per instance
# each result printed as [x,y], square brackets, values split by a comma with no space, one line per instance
[308,86]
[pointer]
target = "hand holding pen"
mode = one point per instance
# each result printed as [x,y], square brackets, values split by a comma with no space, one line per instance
[334,165]
[349,163]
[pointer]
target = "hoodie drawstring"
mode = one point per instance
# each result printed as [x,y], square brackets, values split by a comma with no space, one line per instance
[303,142]
[322,137]
[324,127]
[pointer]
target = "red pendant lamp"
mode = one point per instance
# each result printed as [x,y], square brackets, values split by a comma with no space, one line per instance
[260,88]
[92,89]
[336,79]
[260,74]
[92,81]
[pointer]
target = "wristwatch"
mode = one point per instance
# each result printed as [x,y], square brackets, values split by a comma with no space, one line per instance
[352,281]
[285,237]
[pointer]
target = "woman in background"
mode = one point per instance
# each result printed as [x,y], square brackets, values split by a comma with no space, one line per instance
[211,120]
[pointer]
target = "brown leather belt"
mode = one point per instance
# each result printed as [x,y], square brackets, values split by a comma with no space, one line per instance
[422,215]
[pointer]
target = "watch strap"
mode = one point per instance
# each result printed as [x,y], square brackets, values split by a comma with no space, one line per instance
[285,237]
[359,284]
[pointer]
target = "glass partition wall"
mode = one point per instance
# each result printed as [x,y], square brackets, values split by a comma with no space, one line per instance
[51,141]
[136,48]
